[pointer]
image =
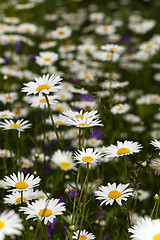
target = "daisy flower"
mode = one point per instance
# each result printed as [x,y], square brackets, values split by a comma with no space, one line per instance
[19,125]
[83,235]
[156,144]
[63,160]
[46,58]
[80,119]
[120,108]
[88,155]
[10,224]
[44,209]
[141,194]
[21,183]
[4,153]
[15,197]
[146,228]
[111,193]
[45,84]
[6,114]
[155,165]
[41,102]
[126,148]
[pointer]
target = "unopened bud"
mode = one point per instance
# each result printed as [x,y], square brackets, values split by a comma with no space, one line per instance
[156,197]
[35,173]
[67,177]
[144,164]
[66,190]
[31,228]
[36,155]
[5,77]
[72,228]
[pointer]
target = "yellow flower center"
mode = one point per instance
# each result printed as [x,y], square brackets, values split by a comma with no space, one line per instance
[47,59]
[79,116]
[58,108]
[21,185]
[47,43]
[120,108]
[43,100]
[157,237]
[75,132]
[28,29]
[19,199]
[42,87]
[15,126]
[1,224]
[87,159]
[87,50]
[158,165]
[41,197]
[25,163]
[66,47]
[123,151]
[87,76]
[92,142]
[105,28]
[149,46]
[65,165]
[4,115]
[108,55]
[7,97]
[45,212]
[61,32]
[82,237]
[113,49]
[3,154]
[62,95]
[17,111]
[69,61]
[114,194]
[154,99]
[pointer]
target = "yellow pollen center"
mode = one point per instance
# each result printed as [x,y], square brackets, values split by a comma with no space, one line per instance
[25,163]
[86,76]
[154,99]
[87,159]
[15,126]
[1,224]
[157,237]
[21,185]
[28,29]
[41,197]
[3,154]
[92,142]
[105,28]
[120,108]
[58,108]
[45,212]
[43,100]
[4,115]
[113,49]
[84,125]
[82,237]
[108,55]
[17,111]
[149,46]
[47,43]
[19,199]
[114,194]
[70,61]
[65,165]
[61,32]
[158,165]
[75,132]
[123,151]
[79,116]
[87,50]
[42,87]
[7,97]
[66,47]
[62,95]
[59,122]
[47,59]
[8,74]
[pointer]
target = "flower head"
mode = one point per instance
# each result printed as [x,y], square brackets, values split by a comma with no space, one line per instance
[88,155]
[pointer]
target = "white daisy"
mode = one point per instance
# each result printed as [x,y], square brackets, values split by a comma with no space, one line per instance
[21,183]
[83,235]
[156,144]
[155,165]
[146,228]
[6,114]
[46,58]
[10,224]
[126,148]
[19,125]
[15,197]
[120,108]
[44,209]
[88,155]
[111,193]
[45,84]
[41,102]
[4,153]
[64,160]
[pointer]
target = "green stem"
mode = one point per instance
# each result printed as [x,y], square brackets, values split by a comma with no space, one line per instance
[153,208]
[84,203]
[46,235]
[50,112]
[38,225]
[157,208]
[125,169]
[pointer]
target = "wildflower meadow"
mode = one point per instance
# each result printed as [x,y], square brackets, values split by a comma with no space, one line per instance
[80,120]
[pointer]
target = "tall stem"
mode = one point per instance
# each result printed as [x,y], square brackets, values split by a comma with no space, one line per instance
[50,112]
[125,169]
